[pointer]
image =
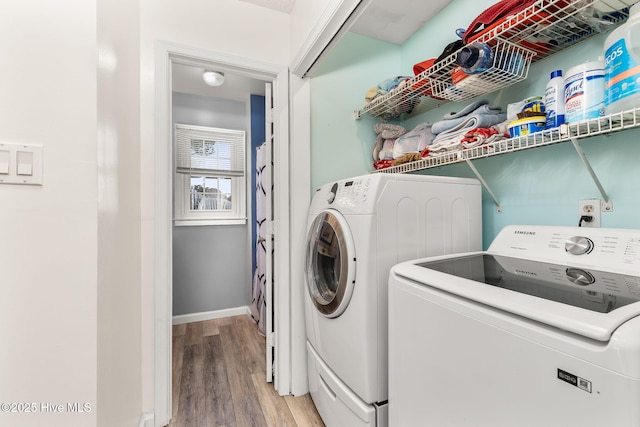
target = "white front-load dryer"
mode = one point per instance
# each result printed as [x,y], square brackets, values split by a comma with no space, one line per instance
[358,228]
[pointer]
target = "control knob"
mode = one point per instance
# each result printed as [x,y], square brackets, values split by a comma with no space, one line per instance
[580,277]
[578,245]
[332,194]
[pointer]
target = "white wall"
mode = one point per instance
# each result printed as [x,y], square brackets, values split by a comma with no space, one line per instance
[224,26]
[48,243]
[306,15]
[119,299]
[77,254]
[316,26]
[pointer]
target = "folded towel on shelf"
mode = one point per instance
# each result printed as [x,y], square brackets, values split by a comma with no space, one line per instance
[451,120]
[451,139]
[387,149]
[370,95]
[396,86]
[469,109]
[482,136]
[444,145]
[387,134]
[469,139]
[483,115]
[413,141]
[503,128]
[383,88]
[471,122]
[390,84]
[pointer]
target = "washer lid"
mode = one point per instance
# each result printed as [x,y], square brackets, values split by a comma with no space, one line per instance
[588,302]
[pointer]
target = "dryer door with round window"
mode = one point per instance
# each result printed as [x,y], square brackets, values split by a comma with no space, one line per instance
[330,263]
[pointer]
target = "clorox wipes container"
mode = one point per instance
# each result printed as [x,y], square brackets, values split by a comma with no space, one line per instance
[584,91]
[622,65]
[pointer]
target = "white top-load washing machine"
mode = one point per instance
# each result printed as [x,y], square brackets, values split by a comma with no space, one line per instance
[358,229]
[542,329]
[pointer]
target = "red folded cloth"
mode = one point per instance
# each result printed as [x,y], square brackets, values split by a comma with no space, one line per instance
[493,13]
[473,134]
[424,86]
[423,66]
[382,164]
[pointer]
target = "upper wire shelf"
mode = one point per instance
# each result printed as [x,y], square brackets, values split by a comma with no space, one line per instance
[542,29]
[568,131]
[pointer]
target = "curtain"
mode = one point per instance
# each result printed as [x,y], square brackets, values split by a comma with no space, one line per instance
[259,304]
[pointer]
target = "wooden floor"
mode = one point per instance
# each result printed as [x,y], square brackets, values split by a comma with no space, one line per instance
[219,379]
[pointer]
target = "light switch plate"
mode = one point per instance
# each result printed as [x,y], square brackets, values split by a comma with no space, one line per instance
[5,158]
[26,172]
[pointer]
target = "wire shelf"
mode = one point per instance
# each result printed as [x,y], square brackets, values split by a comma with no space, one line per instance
[542,29]
[401,101]
[578,130]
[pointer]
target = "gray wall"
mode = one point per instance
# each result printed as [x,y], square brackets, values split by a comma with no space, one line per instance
[211,265]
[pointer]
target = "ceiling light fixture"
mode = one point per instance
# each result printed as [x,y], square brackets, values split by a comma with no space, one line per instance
[213,78]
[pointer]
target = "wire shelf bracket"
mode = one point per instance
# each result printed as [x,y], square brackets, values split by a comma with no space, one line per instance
[607,204]
[485,185]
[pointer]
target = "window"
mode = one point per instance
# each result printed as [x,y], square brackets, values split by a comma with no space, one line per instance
[209,176]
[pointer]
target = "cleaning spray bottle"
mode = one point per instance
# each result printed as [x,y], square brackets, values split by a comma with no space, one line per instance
[554,100]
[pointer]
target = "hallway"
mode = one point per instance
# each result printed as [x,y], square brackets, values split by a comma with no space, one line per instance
[219,379]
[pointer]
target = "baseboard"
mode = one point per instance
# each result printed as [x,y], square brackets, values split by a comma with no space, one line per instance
[209,315]
[146,420]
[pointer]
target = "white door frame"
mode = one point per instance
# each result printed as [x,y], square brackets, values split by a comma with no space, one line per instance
[165,55]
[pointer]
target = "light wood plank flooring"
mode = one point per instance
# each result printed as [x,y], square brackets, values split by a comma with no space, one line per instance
[219,379]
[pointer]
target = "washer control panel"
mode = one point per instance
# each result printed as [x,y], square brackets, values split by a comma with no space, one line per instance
[351,193]
[604,248]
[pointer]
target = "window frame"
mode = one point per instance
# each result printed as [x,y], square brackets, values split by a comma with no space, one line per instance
[183,215]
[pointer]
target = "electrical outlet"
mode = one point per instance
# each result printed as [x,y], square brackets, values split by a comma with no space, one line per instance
[589,207]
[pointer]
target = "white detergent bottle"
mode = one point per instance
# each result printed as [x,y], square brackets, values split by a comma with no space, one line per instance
[554,100]
[622,65]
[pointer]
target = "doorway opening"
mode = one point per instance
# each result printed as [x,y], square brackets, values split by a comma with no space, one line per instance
[215,141]
[168,60]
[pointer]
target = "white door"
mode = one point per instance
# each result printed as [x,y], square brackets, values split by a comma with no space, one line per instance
[268,187]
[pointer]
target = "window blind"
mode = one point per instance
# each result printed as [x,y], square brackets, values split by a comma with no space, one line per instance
[209,151]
